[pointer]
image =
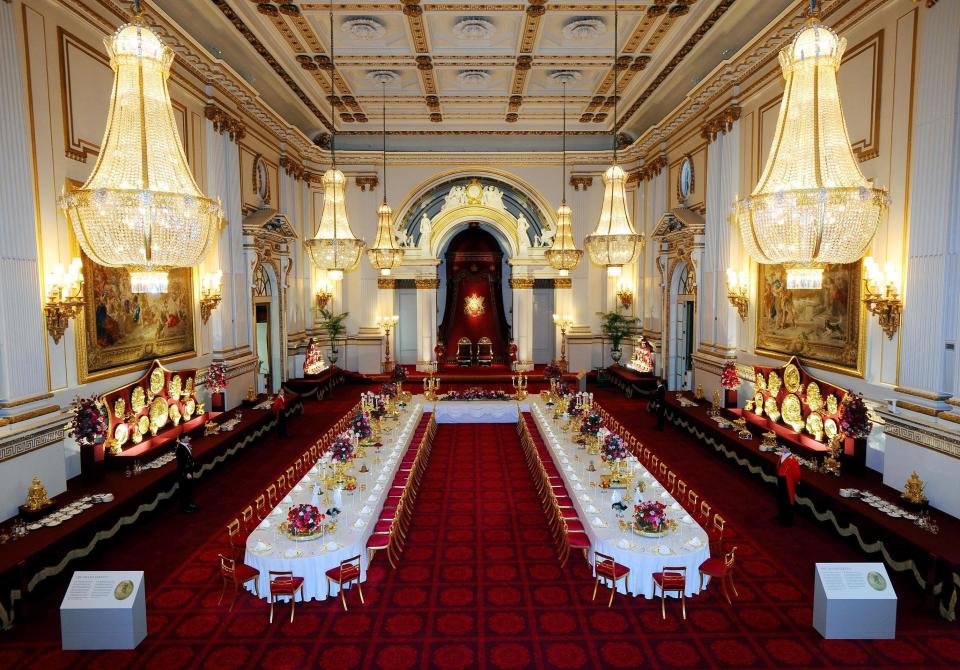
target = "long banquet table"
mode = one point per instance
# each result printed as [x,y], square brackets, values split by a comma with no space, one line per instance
[477,411]
[688,546]
[268,548]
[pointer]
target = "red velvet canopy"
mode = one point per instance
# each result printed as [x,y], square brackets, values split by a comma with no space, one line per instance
[474,307]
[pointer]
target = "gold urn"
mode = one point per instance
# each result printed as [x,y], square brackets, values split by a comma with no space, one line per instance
[912,490]
[37,496]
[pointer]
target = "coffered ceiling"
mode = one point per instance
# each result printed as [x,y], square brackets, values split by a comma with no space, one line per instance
[494,68]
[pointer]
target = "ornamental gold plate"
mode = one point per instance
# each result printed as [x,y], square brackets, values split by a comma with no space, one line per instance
[791,410]
[174,387]
[189,407]
[791,377]
[758,404]
[137,436]
[138,400]
[158,413]
[829,428]
[770,407]
[123,590]
[188,386]
[774,383]
[815,425]
[174,414]
[119,407]
[814,399]
[143,424]
[832,404]
[156,381]
[121,433]
[761,382]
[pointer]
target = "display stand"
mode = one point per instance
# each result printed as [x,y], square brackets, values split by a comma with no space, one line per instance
[854,601]
[104,610]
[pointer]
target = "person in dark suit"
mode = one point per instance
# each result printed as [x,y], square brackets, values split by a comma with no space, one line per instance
[660,402]
[788,476]
[186,474]
[279,407]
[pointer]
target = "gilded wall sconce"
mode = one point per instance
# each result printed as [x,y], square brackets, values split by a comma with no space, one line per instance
[211,292]
[64,297]
[737,291]
[624,296]
[881,289]
[324,296]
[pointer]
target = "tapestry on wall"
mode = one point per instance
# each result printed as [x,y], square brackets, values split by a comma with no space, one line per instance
[822,325]
[123,329]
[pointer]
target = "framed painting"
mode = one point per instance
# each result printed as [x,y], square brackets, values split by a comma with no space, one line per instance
[122,331]
[823,326]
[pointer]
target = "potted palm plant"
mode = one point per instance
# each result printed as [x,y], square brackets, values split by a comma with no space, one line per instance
[617,326]
[334,327]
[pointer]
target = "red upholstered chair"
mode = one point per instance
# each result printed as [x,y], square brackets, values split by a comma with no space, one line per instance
[343,575]
[237,538]
[272,495]
[671,482]
[572,540]
[681,492]
[722,571]
[464,351]
[484,351]
[604,567]
[236,575]
[284,584]
[715,533]
[247,516]
[673,579]
[705,508]
[261,507]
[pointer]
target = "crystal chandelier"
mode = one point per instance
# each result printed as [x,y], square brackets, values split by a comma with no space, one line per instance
[812,205]
[614,242]
[563,254]
[140,207]
[385,255]
[334,248]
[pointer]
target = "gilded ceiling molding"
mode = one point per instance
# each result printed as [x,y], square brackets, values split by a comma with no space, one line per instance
[521,282]
[367,182]
[580,182]
[652,168]
[292,167]
[223,122]
[721,123]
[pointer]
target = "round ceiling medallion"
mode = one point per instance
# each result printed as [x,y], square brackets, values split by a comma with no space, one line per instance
[387,77]
[473,78]
[474,28]
[584,28]
[565,76]
[363,27]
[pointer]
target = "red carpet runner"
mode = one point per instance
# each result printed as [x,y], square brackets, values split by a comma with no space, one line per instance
[479,587]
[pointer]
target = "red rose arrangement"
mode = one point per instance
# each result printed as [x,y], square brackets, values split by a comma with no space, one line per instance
[217,377]
[342,448]
[649,516]
[360,425]
[475,393]
[854,417]
[728,376]
[88,425]
[304,520]
[591,424]
[573,407]
[613,448]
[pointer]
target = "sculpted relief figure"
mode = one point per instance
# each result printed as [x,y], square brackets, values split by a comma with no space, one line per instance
[492,197]
[426,229]
[455,198]
[522,236]
[400,232]
[545,238]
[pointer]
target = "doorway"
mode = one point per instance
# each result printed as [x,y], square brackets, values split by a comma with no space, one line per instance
[683,321]
[264,347]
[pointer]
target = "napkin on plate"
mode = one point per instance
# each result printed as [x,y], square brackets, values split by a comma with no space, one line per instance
[297,488]
[260,546]
[276,512]
[359,523]
[331,546]
[675,506]
[378,487]
[290,553]
[663,550]
[597,521]
[624,543]
[657,485]
[265,523]
[574,478]
[647,475]
[382,478]
[687,518]
[372,498]
[586,498]
[306,478]
[366,510]
[696,542]
[288,499]
[579,486]
[592,510]
[665,495]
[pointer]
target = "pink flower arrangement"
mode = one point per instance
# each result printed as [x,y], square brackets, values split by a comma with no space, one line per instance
[854,417]
[573,407]
[552,371]
[591,424]
[399,374]
[729,379]
[217,377]
[475,393]
[304,520]
[649,516]
[342,448]
[360,425]
[613,448]
[88,425]
[389,390]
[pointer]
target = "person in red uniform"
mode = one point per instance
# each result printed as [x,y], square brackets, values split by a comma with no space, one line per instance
[279,405]
[788,474]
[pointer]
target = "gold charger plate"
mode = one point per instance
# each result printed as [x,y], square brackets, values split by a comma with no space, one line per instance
[189,407]
[791,377]
[761,382]
[791,410]
[174,387]
[138,400]
[832,404]
[158,413]
[814,399]
[758,404]
[770,407]
[830,428]
[121,433]
[174,414]
[156,381]
[123,590]
[119,407]
[188,386]
[143,424]
[815,425]
[774,383]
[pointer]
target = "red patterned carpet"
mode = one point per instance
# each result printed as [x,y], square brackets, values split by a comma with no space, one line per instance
[479,586]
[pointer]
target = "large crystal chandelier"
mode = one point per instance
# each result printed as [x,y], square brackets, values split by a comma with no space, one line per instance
[334,248]
[385,255]
[563,255]
[140,207]
[812,205]
[614,242]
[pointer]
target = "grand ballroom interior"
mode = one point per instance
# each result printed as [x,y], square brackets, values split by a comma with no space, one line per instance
[514,334]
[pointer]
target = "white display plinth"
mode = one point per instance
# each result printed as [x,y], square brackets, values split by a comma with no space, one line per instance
[98,613]
[854,601]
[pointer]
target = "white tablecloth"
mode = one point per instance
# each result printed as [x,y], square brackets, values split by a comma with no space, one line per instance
[687,546]
[478,411]
[311,559]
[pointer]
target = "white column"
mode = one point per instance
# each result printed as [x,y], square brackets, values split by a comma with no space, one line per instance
[426,319]
[523,317]
[927,362]
[23,338]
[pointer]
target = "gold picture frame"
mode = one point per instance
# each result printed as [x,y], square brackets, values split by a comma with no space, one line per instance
[826,326]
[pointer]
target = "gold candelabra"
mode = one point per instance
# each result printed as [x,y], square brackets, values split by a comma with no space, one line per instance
[624,295]
[211,292]
[881,294]
[431,383]
[324,296]
[520,385]
[737,291]
[563,322]
[388,323]
[64,297]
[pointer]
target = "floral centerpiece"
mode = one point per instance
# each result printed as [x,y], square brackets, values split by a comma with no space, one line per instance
[388,390]
[399,374]
[360,425]
[729,379]
[551,372]
[88,425]
[613,449]
[304,521]
[217,377]
[475,393]
[573,406]
[650,518]
[854,417]
[591,424]
[341,450]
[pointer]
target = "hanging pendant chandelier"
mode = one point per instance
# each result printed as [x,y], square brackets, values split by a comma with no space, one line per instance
[141,208]
[334,248]
[614,242]
[385,255]
[563,254]
[812,205]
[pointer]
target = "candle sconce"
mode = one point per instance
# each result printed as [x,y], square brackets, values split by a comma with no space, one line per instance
[737,291]
[64,297]
[211,292]
[881,290]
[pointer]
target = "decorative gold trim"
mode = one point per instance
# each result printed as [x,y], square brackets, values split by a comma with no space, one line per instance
[30,414]
[563,282]
[24,401]
[721,123]
[926,395]
[387,282]
[914,407]
[223,122]
[521,282]
[580,182]
[367,182]
[426,283]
